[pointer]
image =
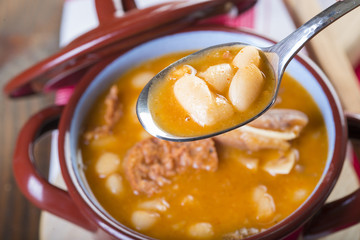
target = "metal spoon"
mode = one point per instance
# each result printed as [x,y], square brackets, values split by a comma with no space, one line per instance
[279,55]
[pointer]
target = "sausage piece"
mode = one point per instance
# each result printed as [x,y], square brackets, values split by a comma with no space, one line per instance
[149,164]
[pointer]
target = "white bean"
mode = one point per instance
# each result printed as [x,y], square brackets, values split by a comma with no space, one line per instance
[218,76]
[179,225]
[246,56]
[201,230]
[245,87]
[159,204]
[104,141]
[114,183]
[141,79]
[204,107]
[300,194]
[143,220]
[107,164]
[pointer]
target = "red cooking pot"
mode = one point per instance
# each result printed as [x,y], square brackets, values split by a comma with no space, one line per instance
[312,219]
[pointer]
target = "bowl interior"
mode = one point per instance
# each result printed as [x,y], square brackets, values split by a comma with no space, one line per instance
[303,73]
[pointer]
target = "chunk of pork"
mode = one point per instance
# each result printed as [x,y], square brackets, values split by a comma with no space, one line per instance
[273,130]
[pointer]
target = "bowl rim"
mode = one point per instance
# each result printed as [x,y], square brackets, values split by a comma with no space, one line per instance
[287,226]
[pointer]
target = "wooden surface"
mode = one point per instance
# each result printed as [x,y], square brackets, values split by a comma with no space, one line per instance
[28,33]
[329,54]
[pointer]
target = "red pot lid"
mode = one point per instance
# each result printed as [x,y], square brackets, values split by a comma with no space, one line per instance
[113,36]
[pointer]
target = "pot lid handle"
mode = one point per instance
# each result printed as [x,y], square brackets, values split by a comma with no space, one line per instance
[114,35]
[108,10]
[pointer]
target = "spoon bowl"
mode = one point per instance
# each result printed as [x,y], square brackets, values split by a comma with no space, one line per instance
[278,55]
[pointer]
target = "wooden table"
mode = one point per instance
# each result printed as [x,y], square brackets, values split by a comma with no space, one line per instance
[29,32]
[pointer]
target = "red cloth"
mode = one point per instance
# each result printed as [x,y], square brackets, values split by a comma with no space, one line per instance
[356,162]
[357,71]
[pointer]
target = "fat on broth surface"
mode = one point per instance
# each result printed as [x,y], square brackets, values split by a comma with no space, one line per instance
[199,203]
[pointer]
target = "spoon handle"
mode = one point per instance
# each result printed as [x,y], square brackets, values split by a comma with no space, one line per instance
[290,45]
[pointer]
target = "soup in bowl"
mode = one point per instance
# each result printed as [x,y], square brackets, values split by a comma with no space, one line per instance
[261,172]
[243,189]
[262,181]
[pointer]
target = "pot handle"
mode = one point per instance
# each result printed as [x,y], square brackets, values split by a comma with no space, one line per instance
[344,212]
[107,10]
[36,188]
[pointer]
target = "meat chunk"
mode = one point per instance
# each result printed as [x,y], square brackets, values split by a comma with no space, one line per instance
[284,120]
[96,133]
[264,203]
[113,107]
[241,234]
[273,130]
[251,141]
[150,163]
[113,113]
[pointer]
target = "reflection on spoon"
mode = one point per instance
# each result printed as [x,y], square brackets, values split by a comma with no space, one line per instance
[213,102]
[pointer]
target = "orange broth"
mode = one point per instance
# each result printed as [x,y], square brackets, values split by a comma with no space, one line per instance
[221,198]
